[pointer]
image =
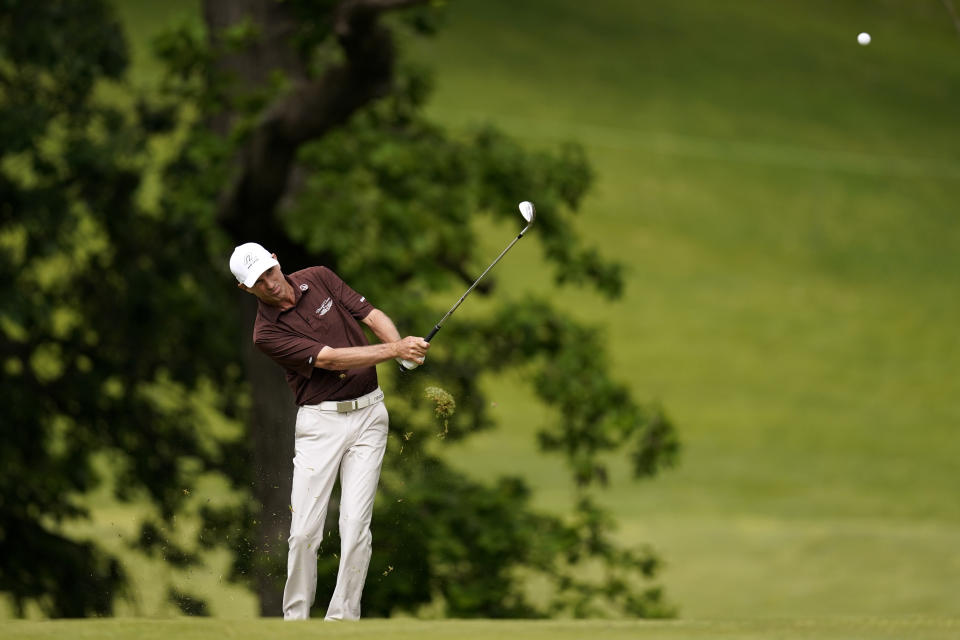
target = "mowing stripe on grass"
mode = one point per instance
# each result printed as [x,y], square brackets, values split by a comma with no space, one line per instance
[729,150]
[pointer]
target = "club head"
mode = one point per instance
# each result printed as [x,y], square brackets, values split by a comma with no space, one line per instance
[528,211]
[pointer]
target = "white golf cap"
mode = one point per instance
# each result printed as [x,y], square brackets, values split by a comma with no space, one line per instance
[249,261]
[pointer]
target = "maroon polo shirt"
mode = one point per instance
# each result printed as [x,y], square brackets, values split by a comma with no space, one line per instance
[326,313]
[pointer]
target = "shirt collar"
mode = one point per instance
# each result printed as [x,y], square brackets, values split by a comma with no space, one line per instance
[272,313]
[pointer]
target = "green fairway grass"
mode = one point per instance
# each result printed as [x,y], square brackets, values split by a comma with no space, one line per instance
[787,206]
[840,628]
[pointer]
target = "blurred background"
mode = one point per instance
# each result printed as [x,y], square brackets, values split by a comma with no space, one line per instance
[783,203]
[786,201]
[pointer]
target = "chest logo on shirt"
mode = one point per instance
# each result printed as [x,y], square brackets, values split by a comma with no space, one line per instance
[322,309]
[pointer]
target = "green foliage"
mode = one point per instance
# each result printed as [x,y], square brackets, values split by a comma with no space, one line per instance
[124,324]
[153,540]
[596,413]
[106,335]
[408,191]
[189,605]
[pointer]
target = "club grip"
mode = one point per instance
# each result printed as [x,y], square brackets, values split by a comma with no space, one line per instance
[409,365]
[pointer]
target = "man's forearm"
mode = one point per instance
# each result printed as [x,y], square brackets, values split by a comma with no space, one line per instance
[354,357]
[382,326]
[409,348]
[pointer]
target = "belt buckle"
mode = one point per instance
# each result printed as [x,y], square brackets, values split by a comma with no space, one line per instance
[346,405]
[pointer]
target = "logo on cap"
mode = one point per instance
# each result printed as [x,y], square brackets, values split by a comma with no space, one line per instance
[248,260]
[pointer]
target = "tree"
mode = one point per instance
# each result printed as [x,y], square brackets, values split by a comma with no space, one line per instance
[100,324]
[303,129]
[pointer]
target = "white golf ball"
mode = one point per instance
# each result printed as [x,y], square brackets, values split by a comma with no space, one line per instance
[864,38]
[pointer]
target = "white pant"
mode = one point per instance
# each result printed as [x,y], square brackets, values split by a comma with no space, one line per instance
[327,441]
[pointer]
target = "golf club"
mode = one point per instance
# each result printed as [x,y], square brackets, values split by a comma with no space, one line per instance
[528,212]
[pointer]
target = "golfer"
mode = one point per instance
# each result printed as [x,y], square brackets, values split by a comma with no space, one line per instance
[307,322]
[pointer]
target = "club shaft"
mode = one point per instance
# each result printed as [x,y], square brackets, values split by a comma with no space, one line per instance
[475,283]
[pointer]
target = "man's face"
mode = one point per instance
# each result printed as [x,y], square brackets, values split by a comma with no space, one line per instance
[269,287]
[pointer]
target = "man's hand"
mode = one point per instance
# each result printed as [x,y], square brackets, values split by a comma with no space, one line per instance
[412,348]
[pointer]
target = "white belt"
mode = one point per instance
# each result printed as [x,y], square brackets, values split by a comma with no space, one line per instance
[345,406]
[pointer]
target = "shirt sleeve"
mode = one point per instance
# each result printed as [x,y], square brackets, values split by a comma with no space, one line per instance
[290,350]
[358,306]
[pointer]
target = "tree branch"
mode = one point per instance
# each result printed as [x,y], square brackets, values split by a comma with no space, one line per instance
[350,13]
[307,112]
[953,14]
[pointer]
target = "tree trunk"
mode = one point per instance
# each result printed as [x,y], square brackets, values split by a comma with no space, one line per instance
[247,207]
[273,415]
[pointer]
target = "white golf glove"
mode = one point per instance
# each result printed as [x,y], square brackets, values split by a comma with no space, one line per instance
[409,365]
